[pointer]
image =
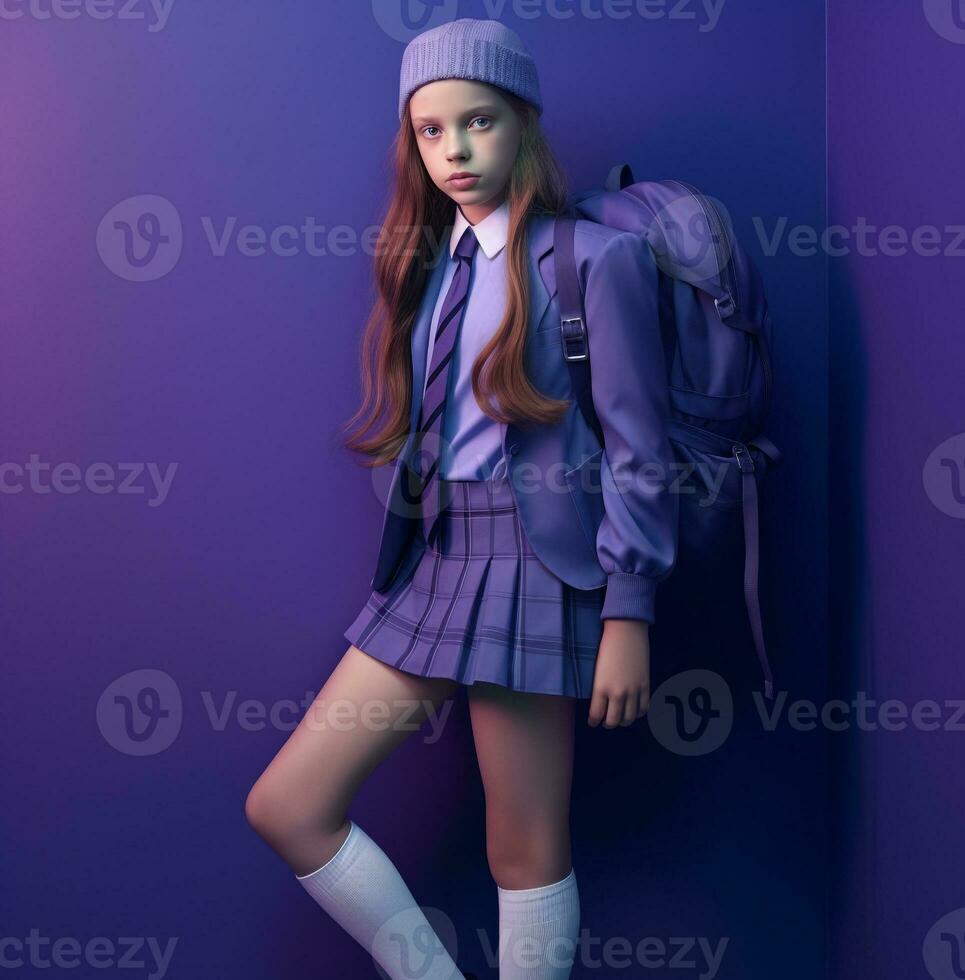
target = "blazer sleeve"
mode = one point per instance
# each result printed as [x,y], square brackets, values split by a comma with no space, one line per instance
[637,538]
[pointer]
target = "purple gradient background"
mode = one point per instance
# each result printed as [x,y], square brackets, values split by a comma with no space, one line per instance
[895,148]
[241,369]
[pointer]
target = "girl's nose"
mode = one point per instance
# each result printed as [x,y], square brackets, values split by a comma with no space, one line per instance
[456,149]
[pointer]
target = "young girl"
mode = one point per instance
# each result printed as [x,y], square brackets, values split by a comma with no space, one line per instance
[503,565]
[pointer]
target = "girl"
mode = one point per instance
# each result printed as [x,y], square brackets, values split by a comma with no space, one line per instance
[502,566]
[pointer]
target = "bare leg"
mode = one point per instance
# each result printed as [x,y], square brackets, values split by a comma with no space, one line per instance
[299,803]
[364,710]
[524,744]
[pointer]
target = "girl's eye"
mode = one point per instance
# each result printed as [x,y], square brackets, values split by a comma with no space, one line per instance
[485,119]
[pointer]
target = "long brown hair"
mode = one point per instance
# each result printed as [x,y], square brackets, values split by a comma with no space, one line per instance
[416,219]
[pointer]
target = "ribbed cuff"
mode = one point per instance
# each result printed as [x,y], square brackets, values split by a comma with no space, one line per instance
[334,868]
[629,596]
[544,902]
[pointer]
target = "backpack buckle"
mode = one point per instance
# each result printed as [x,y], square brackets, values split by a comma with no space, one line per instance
[725,306]
[574,338]
[744,459]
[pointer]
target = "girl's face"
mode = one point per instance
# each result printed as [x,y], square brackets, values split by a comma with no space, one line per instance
[464,126]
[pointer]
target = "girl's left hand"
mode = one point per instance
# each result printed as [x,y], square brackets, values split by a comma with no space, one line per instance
[621,682]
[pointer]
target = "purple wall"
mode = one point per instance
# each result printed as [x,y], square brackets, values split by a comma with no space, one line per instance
[224,594]
[897,457]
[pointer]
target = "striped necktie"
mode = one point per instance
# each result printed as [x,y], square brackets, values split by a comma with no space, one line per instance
[429,438]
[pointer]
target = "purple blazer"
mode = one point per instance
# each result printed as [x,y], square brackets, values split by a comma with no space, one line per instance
[594,515]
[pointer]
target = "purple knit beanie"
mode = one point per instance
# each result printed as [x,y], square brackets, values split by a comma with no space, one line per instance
[482,50]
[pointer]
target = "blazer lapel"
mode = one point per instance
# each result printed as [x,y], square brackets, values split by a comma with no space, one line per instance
[542,277]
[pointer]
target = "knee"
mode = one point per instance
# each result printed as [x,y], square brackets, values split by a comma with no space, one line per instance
[280,820]
[265,811]
[526,854]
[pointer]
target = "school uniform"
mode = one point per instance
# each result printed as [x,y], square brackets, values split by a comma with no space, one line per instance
[544,533]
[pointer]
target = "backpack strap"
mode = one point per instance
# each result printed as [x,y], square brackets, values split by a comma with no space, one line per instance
[751,562]
[576,348]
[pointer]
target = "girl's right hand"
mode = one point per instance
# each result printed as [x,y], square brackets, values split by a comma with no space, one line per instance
[621,681]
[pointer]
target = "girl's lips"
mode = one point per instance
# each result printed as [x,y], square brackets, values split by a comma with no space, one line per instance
[463,183]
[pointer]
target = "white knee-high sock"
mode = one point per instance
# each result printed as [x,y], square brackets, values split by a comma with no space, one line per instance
[538,930]
[362,890]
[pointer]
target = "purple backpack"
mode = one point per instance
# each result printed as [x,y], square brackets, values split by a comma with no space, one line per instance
[716,331]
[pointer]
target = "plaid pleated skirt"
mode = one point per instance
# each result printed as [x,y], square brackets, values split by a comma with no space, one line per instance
[480,606]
